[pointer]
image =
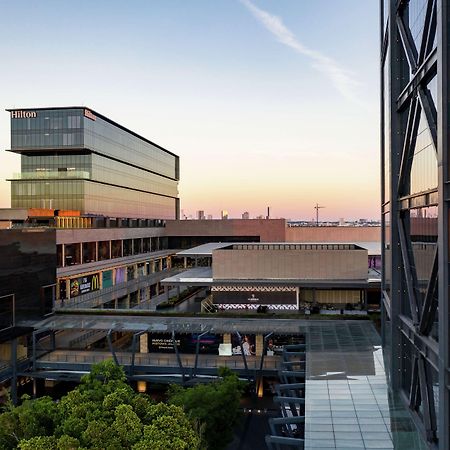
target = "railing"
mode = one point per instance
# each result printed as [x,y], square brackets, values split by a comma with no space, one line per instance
[145,359]
[98,298]
[49,175]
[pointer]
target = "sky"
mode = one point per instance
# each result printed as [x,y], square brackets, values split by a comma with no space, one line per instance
[267,102]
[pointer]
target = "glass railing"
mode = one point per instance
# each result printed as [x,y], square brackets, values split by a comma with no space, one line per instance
[48,175]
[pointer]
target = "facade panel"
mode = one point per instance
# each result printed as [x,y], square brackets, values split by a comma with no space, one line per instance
[414,103]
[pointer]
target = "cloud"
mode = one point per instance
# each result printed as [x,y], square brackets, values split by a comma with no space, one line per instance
[343,80]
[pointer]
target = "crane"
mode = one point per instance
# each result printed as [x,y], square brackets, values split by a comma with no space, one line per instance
[317,207]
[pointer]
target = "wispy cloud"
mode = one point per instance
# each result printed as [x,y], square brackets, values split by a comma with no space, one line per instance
[344,80]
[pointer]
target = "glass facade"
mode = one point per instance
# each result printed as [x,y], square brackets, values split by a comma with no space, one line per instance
[412,207]
[75,159]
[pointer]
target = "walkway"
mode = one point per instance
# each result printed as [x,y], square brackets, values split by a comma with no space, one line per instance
[347,401]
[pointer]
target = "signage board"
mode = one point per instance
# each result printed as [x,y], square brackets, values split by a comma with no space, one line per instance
[83,285]
[23,114]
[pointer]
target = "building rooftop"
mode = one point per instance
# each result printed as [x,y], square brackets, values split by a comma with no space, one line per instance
[97,114]
[206,250]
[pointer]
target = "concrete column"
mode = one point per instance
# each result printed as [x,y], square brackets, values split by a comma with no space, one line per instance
[81,253]
[259,344]
[110,249]
[185,262]
[63,251]
[96,250]
[143,343]
[67,288]
[160,265]
[143,348]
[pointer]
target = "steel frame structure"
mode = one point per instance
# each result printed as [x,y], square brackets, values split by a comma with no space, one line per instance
[408,64]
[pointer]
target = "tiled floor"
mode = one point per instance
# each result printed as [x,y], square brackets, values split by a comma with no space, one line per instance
[347,401]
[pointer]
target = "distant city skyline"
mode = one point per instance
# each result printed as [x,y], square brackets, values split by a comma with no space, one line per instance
[265,102]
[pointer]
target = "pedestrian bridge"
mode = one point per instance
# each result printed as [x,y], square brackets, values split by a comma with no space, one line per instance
[72,364]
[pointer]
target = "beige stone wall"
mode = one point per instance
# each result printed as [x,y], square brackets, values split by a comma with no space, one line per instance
[272,230]
[290,264]
[333,234]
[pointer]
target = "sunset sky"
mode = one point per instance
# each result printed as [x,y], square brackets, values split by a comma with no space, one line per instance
[267,102]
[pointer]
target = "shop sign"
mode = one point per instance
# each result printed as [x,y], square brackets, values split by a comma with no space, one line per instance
[83,285]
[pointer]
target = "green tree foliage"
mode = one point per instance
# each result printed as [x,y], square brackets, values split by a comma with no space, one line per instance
[103,412]
[215,406]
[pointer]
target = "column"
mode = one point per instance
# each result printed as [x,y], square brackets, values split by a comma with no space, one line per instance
[143,348]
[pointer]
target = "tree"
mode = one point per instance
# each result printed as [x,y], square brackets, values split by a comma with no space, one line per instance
[214,405]
[103,412]
[168,428]
[32,418]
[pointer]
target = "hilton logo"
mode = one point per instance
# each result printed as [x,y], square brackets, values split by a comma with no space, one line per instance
[23,114]
[89,115]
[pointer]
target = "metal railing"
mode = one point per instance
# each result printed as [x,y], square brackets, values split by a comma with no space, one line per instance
[152,360]
[51,174]
[98,298]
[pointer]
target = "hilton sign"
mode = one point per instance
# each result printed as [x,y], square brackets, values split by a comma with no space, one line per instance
[89,114]
[23,114]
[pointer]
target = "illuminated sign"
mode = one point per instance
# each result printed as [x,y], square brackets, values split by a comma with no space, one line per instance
[83,285]
[89,115]
[23,114]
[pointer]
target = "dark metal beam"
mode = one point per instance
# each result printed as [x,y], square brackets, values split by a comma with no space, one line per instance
[111,347]
[407,269]
[408,43]
[430,302]
[14,371]
[197,349]
[426,346]
[425,72]
[243,354]
[414,394]
[177,353]
[426,394]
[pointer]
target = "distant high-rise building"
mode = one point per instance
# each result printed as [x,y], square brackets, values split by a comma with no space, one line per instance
[209,217]
[341,221]
[224,214]
[415,117]
[246,215]
[200,215]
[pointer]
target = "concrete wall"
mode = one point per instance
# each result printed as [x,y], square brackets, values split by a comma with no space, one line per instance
[269,230]
[333,234]
[68,236]
[290,264]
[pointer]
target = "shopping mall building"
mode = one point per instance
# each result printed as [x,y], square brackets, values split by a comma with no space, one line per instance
[93,229]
